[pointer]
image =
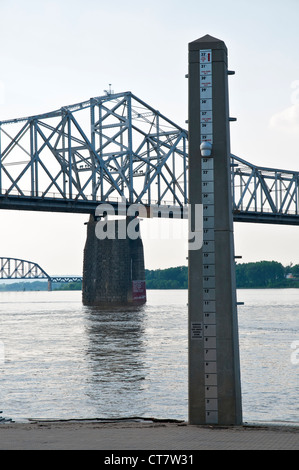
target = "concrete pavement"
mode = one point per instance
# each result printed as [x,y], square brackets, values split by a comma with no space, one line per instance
[154,436]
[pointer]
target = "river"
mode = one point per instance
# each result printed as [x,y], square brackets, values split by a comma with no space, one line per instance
[61,360]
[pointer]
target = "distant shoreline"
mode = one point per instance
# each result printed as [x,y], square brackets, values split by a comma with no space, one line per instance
[149,288]
[255,275]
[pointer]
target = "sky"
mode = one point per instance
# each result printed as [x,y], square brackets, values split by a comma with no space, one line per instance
[59,52]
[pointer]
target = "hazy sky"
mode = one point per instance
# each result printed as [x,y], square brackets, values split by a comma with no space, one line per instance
[54,53]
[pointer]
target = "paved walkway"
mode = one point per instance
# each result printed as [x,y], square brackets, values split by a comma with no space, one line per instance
[85,435]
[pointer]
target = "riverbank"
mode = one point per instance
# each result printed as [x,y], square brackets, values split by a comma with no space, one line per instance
[149,435]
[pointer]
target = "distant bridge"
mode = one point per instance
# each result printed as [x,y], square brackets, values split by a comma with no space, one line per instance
[14,268]
[116,147]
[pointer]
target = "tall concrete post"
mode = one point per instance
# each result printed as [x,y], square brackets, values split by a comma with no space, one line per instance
[214,368]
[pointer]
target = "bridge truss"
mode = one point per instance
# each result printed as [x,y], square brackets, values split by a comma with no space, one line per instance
[116,148]
[266,195]
[107,149]
[14,268]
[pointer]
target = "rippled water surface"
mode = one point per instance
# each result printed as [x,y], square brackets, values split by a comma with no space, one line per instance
[64,360]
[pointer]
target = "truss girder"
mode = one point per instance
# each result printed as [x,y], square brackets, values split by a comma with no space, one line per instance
[114,148]
[109,148]
[13,268]
[66,279]
[267,193]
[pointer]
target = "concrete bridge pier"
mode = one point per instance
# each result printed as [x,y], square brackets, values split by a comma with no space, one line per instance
[113,267]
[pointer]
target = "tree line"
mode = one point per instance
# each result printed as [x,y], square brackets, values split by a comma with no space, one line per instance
[170,278]
[266,274]
[25,286]
[255,275]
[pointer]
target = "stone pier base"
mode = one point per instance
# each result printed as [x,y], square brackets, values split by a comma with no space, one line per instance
[113,269]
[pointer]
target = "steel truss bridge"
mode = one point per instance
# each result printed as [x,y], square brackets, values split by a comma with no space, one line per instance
[264,195]
[106,149]
[118,148]
[13,268]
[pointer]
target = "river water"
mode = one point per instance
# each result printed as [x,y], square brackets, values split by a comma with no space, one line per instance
[59,359]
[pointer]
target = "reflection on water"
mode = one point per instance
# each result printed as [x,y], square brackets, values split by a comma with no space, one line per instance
[64,360]
[114,354]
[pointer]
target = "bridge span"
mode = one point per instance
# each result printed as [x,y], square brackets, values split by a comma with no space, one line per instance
[264,195]
[106,149]
[116,148]
[15,268]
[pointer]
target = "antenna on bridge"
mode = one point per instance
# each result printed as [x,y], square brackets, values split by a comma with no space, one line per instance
[110,91]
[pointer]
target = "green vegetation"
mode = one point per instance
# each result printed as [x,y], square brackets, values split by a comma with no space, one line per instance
[264,274]
[261,274]
[67,286]
[171,278]
[23,286]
